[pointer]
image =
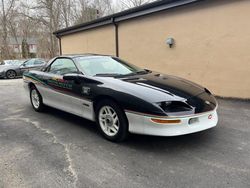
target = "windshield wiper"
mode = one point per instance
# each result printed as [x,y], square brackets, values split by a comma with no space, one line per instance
[142,72]
[137,73]
[108,74]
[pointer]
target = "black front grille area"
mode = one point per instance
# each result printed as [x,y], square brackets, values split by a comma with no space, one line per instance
[176,106]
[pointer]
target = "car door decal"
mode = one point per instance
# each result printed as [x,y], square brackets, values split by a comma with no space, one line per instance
[60,83]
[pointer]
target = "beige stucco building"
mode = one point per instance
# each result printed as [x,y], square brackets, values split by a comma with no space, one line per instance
[212,41]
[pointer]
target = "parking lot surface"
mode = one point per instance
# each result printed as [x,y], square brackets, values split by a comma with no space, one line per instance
[56,149]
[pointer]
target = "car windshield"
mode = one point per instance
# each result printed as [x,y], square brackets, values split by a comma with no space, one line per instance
[106,66]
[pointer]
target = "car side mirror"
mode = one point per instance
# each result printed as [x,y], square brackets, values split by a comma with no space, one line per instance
[23,65]
[71,77]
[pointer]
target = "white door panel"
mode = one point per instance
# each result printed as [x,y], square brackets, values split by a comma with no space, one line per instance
[64,102]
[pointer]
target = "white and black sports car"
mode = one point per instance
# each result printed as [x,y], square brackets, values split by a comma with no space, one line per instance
[121,97]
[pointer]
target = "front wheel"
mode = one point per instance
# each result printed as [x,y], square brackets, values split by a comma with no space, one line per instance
[36,99]
[112,121]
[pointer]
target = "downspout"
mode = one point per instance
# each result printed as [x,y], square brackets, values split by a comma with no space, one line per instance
[60,44]
[116,37]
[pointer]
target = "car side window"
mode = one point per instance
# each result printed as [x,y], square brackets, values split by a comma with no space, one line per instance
[38,62]
[62,66]
[30,62]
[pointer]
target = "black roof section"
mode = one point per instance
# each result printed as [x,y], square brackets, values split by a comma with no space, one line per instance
[83,55]
[146,9]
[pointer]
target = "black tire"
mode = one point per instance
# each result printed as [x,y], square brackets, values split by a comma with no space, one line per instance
[122,133]
[11,74]
[40,107]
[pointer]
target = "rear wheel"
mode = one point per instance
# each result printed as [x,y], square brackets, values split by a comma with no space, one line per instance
[112,121]
[11,74]
[36,99]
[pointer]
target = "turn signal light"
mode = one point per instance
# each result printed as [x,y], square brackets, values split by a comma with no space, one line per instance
[165,121]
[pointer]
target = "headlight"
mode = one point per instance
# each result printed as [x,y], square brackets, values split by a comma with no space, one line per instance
[175,106]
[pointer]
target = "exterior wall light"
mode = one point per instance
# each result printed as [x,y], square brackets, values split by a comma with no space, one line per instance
[170,42]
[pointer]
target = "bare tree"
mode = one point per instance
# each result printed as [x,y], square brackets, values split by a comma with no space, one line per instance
[6,8]
[104,7]
[87,10]
[13,25]
[48,14]
[67,11]
[126,4]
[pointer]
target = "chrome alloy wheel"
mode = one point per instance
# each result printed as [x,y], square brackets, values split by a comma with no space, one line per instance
[11,74]
[108,121]
[35,98]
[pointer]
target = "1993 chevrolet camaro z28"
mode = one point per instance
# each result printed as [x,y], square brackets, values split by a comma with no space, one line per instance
[121,97]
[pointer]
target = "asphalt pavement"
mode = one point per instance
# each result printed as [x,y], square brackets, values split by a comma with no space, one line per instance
[57,149]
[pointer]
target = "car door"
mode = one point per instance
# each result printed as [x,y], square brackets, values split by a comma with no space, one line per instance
[64,94]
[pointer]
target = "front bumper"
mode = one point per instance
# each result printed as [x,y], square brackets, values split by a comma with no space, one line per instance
[26,86]
[2,74]
[142,124]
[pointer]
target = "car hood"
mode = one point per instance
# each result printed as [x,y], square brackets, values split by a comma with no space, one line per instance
[156,87]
